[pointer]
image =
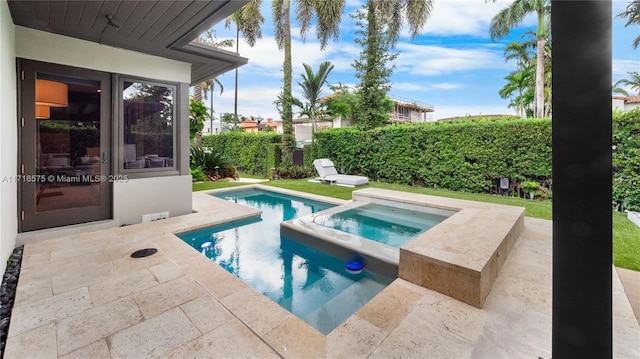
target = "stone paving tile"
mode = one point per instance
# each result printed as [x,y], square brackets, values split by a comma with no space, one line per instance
[165,271]
[449,314]
[258,312]
[389,307]
[35,314]
[206,313]
[29,291]
[66,254]
[165,296]
[293,338]
[97,323]
[416,337]
[31,259]
[233,340]
[121,285]
[354,338]
[155,337]
[631,282]
[96,350]
[625,328]
[81,277]
[513,331]
[51,244]
[39,343]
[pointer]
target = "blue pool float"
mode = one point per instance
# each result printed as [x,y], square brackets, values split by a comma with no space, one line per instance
[353,267]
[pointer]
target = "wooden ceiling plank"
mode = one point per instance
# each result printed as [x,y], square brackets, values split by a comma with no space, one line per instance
[72,16]
[132,12]
[108,8]
[90,12]
[186,19]
[167,19]
[150,18]
[57,14]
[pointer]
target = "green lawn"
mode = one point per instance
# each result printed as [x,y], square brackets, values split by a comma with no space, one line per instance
[626,235]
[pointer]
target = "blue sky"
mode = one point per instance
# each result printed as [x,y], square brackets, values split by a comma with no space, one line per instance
[452,65]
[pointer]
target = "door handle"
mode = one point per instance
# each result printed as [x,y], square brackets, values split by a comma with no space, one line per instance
[104,157]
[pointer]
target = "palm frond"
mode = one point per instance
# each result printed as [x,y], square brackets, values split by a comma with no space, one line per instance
[277,11]
[305,16]
[631,13]
[508,18]
[417,13]
[329,14]
[248,21]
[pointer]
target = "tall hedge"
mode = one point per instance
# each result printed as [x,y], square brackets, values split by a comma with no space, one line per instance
[250,152]
[626,160]
[461,156]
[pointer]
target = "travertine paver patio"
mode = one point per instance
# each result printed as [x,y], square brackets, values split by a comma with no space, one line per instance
[83,296]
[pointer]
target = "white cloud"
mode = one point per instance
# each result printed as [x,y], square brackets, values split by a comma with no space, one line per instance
[464,17]
[436,60]
[413,87]
[265,55]
[409,86]
[446,86]
[252,101]
[622,67]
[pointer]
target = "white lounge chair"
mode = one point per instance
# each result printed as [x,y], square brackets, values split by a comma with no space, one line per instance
[328,174]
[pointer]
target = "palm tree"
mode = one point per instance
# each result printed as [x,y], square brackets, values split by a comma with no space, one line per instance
[394,13]
[248,20]
[209,86]
[327,15]
[518,89]
[513,15]
[634,83]
[521,52]
[312,90]
[632,14]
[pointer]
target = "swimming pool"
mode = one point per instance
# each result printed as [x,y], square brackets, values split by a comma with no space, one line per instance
[385,224]
[310,284]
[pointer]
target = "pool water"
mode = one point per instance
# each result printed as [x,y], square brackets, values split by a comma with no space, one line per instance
[310,284]
[385,224]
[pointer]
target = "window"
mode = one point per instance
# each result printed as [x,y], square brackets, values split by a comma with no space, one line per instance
[148,113]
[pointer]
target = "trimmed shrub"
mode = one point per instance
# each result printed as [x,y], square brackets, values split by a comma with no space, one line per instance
[249,152]
[626,160]
[462,156]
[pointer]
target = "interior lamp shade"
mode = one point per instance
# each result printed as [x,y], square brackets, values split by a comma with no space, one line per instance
[43,112]
[51,93]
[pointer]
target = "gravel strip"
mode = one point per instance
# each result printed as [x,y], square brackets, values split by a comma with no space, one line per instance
[8,294]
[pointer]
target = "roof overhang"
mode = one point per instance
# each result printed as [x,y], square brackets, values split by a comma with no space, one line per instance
[159,27]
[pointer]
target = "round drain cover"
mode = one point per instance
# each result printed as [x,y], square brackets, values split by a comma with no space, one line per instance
[143,253]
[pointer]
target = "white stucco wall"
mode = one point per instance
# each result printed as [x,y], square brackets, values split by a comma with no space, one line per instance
[303,132]
[622,106]
[631,106]
[137,196]
[44,46]
[617,103]
[8,134]
[142,196]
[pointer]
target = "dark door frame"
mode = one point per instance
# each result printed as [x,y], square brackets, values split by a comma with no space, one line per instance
[28,218]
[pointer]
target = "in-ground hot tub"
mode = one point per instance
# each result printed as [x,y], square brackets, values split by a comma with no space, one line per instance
[460,257]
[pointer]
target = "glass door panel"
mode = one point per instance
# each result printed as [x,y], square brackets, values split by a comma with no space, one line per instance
[68,147]
[65,145]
